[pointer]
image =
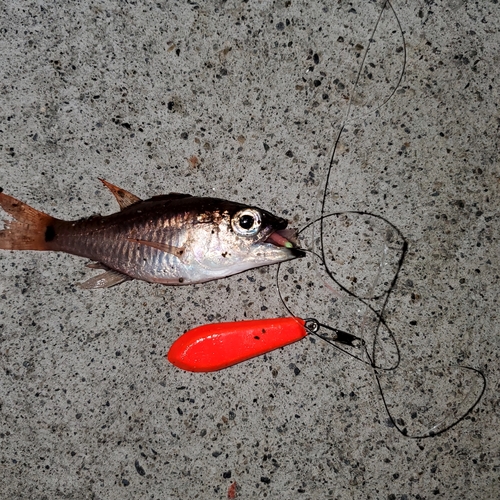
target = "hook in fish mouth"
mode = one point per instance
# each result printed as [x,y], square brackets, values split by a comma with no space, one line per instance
[286,238]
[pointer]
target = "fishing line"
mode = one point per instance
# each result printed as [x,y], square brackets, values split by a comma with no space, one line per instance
[378,314]
[313,326]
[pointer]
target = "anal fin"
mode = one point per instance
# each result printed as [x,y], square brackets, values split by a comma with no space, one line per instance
[105,280]
[96,265]
[123,197]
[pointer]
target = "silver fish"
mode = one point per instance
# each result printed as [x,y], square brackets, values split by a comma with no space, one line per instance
[173,239]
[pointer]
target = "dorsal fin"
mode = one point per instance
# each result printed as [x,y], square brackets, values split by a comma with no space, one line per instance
[123,197]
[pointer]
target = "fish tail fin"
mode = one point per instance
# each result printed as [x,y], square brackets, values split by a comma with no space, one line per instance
[30,229]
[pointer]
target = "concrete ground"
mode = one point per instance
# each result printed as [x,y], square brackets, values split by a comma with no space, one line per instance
[244,100]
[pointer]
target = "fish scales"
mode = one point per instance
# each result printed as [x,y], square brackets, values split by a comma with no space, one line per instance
[111,239]
[171,239]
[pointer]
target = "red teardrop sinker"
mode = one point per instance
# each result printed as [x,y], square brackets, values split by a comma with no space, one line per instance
[213,347]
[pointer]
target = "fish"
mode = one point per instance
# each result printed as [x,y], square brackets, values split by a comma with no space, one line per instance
[172,239]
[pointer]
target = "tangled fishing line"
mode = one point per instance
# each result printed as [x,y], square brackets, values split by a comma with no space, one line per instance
[373,231]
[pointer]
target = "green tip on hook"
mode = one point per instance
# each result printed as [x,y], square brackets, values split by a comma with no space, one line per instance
[288,245]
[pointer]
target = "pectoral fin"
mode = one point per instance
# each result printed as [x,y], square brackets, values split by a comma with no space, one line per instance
[123,197]
[105,280]
[177,251]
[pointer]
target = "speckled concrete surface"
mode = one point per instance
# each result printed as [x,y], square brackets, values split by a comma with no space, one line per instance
[243,100]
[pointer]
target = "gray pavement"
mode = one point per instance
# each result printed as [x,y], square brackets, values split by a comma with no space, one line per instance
[244,100]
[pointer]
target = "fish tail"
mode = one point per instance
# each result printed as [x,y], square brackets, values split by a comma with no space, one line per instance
[30,229]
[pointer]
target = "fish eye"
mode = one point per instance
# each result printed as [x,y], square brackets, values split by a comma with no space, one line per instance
[246,222]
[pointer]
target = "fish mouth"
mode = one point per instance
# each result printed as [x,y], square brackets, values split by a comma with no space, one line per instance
[286,238]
